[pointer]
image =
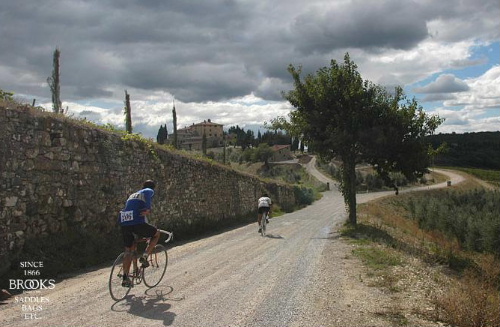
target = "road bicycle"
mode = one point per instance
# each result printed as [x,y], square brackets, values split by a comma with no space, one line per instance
[152,275]
[263,223]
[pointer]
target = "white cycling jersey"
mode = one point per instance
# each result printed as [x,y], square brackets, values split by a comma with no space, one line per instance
[264,202]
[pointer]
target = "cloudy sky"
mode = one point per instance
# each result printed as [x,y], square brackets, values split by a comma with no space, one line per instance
[226,60]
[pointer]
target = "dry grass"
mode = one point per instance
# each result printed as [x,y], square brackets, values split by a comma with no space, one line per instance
[249,168]
[474,299]
[465,297]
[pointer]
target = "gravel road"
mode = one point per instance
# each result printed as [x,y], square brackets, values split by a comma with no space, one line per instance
[300,274]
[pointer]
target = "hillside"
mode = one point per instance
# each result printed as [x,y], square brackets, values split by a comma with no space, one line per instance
[473,150]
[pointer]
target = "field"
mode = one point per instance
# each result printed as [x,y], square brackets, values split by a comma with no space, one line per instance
[489,176]
[447,243]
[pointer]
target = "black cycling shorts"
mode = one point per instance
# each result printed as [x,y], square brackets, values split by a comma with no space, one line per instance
[264,209]
[142,230]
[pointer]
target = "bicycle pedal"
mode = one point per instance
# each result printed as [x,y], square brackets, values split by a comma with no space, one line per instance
[144,262]
[128,283]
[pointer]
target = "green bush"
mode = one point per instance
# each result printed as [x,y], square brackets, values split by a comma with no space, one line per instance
[7,96]
[303,195]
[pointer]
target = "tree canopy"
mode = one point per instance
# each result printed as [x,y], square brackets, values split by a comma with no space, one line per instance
[340,115]
[247,138]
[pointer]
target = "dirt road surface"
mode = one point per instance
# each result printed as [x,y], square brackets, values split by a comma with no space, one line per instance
[300,274]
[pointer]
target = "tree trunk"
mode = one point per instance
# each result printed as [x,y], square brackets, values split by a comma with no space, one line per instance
[349,188]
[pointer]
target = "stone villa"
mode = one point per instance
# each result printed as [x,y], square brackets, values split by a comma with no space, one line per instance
[191,137]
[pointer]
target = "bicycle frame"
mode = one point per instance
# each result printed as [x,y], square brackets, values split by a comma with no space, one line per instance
[137,273]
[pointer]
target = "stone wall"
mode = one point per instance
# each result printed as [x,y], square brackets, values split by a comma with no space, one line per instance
[58,173]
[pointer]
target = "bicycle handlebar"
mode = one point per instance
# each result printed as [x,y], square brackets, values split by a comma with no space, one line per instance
[170,235]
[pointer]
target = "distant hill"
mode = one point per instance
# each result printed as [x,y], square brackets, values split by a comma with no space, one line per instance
[474,150]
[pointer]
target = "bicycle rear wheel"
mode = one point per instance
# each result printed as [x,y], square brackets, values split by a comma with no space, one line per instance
[263,224]
[158,261]
[117,291]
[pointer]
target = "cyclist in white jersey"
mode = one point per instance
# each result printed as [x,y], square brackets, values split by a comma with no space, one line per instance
[264,205]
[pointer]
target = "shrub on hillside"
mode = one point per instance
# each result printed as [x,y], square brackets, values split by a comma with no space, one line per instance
[303,195]
[472,217]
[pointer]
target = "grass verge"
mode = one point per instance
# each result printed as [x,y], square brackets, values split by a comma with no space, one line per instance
[463,286]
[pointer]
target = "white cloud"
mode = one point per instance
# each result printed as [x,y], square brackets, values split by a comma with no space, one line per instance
[147,115]
[446,83]
[404,67]
[484,92]
[475,110]
[453,118]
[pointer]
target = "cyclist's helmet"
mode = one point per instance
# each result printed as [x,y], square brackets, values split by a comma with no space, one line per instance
[149,184]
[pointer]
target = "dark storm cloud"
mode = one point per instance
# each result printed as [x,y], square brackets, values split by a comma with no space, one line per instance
[88,91]
[127,43]
[361,24]
[199,50]
[463,19]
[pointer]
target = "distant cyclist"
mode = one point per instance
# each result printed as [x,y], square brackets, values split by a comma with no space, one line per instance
[133,220]
[264,204]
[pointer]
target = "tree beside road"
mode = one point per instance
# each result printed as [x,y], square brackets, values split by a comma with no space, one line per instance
[342,116]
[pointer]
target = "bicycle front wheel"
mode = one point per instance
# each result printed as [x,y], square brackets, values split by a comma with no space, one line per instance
[158,261]
[117,291]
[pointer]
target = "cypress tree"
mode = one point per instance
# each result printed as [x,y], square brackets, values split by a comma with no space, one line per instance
[54,84]
[128,115]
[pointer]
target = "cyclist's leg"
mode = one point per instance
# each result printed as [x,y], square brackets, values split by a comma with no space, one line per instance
[127,261]
[118,288]
[259,216]
[263,221]
[147,230]
[128,241]
[153,242]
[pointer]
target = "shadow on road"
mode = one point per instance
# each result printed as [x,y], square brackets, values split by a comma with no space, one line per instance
[278,237]
[152,305]
[328,236]
[331,237]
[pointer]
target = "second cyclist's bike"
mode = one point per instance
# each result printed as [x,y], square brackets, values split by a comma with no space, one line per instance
[151,276]
[263,223]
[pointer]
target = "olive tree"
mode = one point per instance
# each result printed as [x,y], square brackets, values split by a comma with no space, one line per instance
[342,116]
[263,153]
